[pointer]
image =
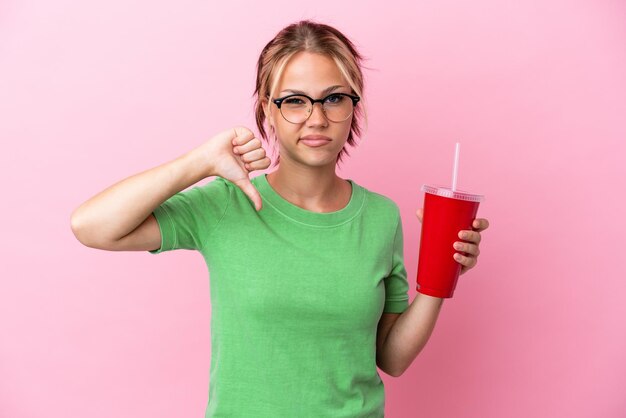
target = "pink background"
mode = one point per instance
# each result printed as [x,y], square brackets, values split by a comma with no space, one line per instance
[91,93]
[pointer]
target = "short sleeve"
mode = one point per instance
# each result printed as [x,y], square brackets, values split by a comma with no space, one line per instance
[396,284]
[187,219]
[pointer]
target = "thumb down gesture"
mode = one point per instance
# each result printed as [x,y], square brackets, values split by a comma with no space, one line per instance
[232,155]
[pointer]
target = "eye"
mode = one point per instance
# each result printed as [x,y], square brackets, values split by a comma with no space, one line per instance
[293,101]
[335,98]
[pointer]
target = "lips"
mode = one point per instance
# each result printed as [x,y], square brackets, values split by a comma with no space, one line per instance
[315,140]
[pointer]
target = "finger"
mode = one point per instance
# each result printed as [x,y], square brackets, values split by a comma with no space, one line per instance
[420,214]
[253,155]
[252,144]
[466,261]
[480,224]
[258,164]
[242,136]
[246,186]
[240,130]
[467,248]
[473,236]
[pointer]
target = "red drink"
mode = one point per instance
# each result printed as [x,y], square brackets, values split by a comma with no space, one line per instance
[445,214]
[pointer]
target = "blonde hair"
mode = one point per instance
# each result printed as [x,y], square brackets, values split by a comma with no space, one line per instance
[312,37]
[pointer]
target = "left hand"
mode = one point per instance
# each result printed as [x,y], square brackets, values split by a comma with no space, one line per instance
[469,250]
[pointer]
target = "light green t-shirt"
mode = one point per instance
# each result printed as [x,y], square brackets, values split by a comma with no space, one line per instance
[296,297]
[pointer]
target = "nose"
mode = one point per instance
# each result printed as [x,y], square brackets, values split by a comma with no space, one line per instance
[317,117]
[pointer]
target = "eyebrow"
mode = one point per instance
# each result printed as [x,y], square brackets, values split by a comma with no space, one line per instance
[328,90]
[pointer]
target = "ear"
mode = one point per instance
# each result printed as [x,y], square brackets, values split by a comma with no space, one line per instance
[266,110]
[264,103]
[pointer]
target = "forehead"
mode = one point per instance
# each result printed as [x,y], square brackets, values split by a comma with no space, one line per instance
[311,73]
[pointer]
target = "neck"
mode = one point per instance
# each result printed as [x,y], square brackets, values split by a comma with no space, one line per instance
[313,188]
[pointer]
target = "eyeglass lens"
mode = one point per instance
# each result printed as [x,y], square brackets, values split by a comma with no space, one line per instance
[296,109]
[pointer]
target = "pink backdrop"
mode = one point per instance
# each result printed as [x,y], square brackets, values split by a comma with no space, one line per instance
[91,93]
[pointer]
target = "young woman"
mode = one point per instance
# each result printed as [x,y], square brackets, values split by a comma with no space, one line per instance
[307,280]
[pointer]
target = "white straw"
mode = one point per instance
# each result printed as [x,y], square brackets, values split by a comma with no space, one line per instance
[456,165]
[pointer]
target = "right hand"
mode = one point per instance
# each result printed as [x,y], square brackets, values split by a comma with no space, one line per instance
[232,155]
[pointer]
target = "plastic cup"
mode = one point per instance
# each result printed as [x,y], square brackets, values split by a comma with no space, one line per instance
[446,212]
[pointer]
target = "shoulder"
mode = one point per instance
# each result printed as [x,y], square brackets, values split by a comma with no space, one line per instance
[381,204]
[216,186]
[216,192]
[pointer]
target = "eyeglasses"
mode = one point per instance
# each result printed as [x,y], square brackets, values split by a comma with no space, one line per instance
[297,108]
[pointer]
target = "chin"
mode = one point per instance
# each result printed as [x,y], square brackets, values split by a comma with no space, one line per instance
[320,161]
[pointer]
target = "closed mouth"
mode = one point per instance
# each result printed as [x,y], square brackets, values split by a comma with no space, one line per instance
[315,138]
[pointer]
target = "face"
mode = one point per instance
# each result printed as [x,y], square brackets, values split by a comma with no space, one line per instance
[316,76]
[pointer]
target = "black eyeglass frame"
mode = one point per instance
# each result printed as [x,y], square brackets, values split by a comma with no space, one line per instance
[355,99]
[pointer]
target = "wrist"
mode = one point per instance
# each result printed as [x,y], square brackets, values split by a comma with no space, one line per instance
[193,167]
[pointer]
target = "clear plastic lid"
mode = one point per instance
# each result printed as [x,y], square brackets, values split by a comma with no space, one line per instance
[447,192]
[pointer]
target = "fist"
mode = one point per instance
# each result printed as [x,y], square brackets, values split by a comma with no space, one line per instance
[468,257]
[232,155]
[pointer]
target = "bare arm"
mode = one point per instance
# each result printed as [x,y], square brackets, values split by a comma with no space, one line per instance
[404,336]
[120,217]
[386,321]
[115,212]
[401,337]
